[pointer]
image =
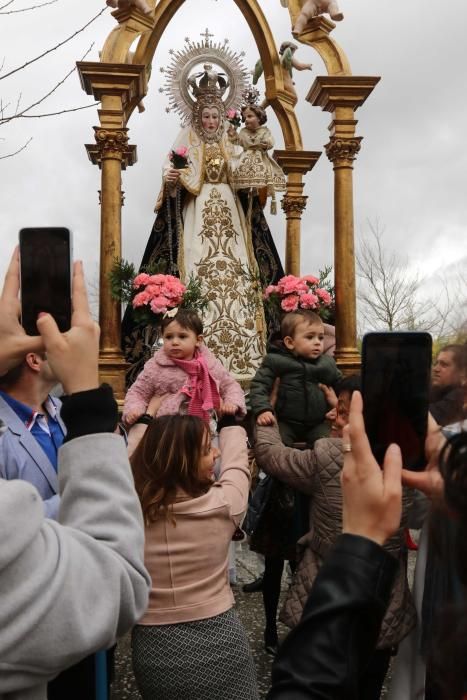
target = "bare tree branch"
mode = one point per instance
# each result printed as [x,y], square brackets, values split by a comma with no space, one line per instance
[18,115]
[53,48]
[54,114]
[10,155]
[388,294]
[392,298]
[25,9]
[10,2]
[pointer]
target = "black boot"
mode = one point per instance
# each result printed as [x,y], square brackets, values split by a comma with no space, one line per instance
[271,641]
[253,586]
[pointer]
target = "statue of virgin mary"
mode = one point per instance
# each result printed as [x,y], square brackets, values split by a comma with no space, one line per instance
[201,228]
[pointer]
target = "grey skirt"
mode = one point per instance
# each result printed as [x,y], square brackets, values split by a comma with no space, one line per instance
[202,660]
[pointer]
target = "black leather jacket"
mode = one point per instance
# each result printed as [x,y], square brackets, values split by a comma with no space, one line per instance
[323,657]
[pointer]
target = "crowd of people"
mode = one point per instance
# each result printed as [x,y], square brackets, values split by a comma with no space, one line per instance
[96,543]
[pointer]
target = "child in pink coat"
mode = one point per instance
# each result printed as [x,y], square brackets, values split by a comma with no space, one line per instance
[185,374]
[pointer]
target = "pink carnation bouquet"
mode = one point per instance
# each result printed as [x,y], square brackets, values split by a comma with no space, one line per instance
[292,293]
[151,294]
[234,117]
[179,157]
[160,293]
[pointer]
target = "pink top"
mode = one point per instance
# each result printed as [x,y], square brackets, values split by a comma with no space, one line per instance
[188,562]
[161,375]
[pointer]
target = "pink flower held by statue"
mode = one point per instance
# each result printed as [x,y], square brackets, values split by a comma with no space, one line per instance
[179,157]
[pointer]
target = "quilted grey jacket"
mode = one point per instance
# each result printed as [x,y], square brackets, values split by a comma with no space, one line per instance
[317,473]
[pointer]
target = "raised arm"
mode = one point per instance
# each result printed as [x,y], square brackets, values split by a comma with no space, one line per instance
[301,66]
[70,588]
[323,657]
[235,476]
[293,467]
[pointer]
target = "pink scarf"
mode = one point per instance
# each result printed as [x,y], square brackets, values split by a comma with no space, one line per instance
[203,393]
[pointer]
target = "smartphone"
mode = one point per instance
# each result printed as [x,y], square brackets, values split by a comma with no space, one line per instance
[396,375]
[45,275]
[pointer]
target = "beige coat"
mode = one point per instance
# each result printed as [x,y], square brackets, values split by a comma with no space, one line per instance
[317,474]
[188,561]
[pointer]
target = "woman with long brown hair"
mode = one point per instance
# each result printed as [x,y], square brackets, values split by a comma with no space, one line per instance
[190,643]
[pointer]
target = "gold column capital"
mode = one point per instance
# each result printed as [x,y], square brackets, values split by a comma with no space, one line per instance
[343,151]
[111,144]
[300,162]
[119,86]
[294,206]
[348,92]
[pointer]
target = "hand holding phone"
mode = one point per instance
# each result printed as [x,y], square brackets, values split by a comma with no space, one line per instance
[14,343]
[45,273]
[396,374]
[73,356]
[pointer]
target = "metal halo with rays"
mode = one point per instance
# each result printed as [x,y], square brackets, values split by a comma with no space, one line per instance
[184,61]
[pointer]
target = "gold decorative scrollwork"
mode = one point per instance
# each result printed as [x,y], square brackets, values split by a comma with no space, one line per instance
[111,140]
[343,149]
[293,206]
[111,144]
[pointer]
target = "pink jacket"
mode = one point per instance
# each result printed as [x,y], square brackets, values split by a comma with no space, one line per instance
[161,376]
[188,562]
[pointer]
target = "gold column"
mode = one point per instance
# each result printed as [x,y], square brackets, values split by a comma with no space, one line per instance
[117,86]
[111,153]
[342,152]
[295,164]
[341,95]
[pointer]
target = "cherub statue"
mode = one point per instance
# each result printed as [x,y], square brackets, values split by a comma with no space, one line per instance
[125,4]
[288,62]
[313,8]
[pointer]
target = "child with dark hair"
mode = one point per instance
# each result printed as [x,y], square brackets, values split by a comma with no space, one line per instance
[185,375]
[300,366]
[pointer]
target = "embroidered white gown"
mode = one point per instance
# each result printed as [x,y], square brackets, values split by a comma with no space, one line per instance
[215,245]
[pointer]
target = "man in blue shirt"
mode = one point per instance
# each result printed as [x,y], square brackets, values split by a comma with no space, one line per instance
[29,446]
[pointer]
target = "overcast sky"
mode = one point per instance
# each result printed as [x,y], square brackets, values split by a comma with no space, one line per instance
[410,175]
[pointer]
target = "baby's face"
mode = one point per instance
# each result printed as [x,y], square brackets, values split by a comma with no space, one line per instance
[251,119]
[307,340]
[180,342]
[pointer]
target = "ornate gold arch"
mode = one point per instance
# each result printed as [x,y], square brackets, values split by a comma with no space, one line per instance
[120,81]
[132,25]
